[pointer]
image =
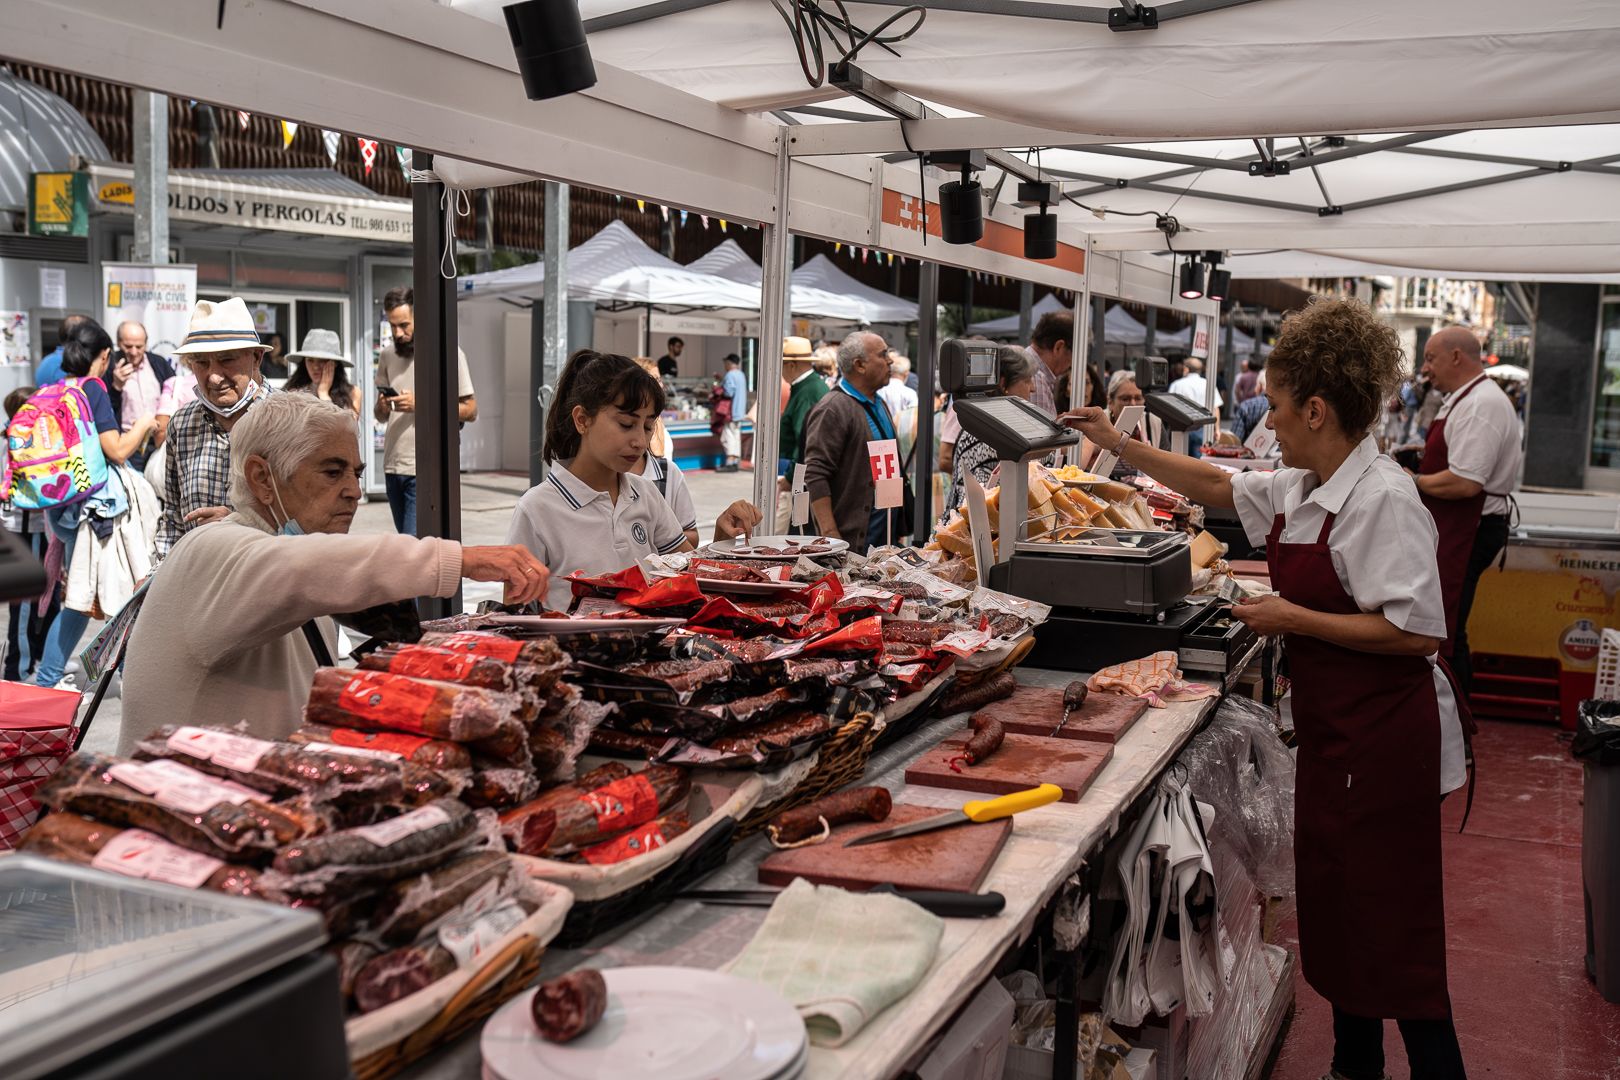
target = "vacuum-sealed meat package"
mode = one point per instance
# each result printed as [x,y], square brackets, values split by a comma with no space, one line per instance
[467,668]
[594,809]
[779,734]
[378,701]
[401,972]
[410,907]
[496,785]
[542,652]
[137,853]
[438,754]
[200,812]
[376,854]
[637,841]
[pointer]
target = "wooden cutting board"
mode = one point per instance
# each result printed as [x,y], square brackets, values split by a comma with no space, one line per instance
[951,860]
[1036,710]
[1024,761]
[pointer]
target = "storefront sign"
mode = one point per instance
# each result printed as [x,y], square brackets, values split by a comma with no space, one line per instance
[160,298]
[251,206]
[698,324]
[58,204]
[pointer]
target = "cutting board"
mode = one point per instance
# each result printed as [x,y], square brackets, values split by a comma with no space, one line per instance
[1036,710]
[1024,761]
[951,860]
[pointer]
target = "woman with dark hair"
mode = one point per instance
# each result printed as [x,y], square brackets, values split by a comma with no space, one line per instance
[323,370]
[594,512]
[1380,727]
[1015,377]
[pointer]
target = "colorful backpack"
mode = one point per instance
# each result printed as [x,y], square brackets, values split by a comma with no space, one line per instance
[53,452]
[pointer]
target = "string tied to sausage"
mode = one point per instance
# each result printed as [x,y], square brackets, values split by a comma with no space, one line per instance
[826,831]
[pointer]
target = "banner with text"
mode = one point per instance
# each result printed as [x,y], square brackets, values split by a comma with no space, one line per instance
[160,298]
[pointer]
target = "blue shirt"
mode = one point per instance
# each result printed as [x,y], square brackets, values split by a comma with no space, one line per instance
[50,368]
[735,385]
[878,421]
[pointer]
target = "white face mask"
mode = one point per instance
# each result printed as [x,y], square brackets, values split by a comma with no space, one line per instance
[243,402]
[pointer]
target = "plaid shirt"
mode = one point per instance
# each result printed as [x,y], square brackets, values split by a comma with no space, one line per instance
[197,472]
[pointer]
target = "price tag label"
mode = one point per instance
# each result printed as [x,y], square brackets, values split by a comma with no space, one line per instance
[800,492]
[979,522]
[1262,439]
[887,478]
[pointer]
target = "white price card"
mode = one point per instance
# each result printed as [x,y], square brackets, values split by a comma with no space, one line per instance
[887,478]
[139,854]
[979,522]
[800,493]
[1262,439]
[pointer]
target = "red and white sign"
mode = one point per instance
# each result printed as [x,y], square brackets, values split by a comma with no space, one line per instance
[887,477]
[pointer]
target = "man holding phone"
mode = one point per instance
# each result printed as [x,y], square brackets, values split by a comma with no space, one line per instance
[396,405]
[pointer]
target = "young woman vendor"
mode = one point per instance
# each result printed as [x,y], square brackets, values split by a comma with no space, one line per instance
[593,512]
[1352,556]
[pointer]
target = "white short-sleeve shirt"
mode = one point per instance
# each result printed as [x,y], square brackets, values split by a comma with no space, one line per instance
[676,493]
[571,526]
[1482,440]
[1383,549]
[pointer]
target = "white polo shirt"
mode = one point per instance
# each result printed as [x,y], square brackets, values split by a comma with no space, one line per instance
[1383,550]
[571,526]
[1482,440]
[676,493]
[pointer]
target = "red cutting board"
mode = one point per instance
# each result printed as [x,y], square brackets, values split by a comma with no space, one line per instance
[1036,710]
[951,860]
[1024,761]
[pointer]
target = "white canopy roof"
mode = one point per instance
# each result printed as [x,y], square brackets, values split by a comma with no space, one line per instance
[1008,326]
[877,306]
[615,265]
[731,262]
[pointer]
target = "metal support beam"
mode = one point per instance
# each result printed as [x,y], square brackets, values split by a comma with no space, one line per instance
[551,322]
[1029,9]
[927,379]
[1596,165]
[151,177]
[438,427]
[645,13]
[1026,300]
[1327,200]
[1165,189]
[776,250]
[1150,336]
[1345,235]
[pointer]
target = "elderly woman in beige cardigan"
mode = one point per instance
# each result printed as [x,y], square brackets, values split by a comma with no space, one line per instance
[219,638]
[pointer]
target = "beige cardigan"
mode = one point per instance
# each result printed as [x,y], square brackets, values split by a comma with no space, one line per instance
[218,640]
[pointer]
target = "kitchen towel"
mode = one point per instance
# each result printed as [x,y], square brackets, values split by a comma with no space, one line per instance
[840,957]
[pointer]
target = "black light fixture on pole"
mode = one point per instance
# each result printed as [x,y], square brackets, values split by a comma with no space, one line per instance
[1220,281]
[1192,280]
[1040,229]
[548,37]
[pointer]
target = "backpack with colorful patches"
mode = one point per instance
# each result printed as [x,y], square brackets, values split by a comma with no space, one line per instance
[53,452]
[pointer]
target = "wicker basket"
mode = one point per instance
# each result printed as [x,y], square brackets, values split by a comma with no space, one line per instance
[909,713]
[842,762]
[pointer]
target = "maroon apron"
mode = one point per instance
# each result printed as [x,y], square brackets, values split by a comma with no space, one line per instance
[1372,933]
[1456,519]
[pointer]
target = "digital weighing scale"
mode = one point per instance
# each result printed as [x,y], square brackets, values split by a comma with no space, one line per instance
[1116,594]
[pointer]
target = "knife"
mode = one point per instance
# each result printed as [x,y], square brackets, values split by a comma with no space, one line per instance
[980,810]
[947,905]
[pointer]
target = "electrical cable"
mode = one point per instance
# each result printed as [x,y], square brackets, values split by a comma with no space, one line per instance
[808,22]
[922,181]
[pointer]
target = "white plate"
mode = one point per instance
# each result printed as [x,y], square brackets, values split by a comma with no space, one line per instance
[575,626]
[749,588]
[665,1022]
[723,548]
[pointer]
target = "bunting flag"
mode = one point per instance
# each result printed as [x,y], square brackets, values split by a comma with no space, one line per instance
[368,153]
[404,154]
[837,247]
[288,130]
[722,224]
[641,205]
[705,219]
[683,218]
[663,212]
[333,140]
[243,119]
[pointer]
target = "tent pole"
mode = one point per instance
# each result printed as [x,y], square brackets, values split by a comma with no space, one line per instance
[1151,332]
[1088,340]
[927,379]
[552,323]
[1026,300]
[776,249]
[438,428]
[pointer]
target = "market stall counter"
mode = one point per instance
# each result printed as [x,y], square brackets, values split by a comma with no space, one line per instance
[1046,846]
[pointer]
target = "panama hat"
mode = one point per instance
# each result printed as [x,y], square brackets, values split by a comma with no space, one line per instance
[796,348]
[321,345]
[221,327]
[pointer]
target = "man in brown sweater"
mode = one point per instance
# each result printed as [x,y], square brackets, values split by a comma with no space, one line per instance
[837,468]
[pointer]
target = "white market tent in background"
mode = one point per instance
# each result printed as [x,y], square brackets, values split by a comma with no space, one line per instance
[877,306]
[866,307]
[1007,326]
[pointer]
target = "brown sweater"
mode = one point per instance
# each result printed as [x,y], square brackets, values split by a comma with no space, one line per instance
[836,464]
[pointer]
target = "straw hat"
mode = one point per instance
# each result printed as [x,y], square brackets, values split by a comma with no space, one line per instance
[321,345]
[221,327]
[796,348]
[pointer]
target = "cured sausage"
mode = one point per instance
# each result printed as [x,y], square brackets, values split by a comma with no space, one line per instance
[438,754]
[384,852]
[496,785]
[839,808]
[460,666]
[962,699]
[548,750]
[539,651]
[916,632]
[685,675]
[613,807]
[527,828]
[408,907]
[776,734]
[402,972]
[378,701]
[77,839]
[570,1005]
[638,841]
[985,740]
[351,957]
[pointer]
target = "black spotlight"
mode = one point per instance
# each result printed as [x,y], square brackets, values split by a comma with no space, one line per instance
[961,210]
[549,40]
[1220,283]
[1192,280]
[1040,235]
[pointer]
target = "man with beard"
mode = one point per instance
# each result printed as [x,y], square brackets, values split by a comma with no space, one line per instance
[396,373]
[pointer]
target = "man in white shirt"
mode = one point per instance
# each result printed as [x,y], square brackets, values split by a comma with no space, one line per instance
[1471,464]
[1193,387]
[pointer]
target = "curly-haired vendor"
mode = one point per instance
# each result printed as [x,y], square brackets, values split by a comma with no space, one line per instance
[1352,555]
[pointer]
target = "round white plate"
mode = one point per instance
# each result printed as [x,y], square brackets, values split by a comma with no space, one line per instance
[725,548]
[749,588]
[666,1022]
[544,625]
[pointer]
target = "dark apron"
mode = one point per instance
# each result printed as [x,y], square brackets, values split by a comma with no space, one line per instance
[1456,519]
[1372,931]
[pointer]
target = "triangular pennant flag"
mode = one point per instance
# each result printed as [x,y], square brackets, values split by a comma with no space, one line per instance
[288,130]
[722,224]
[837,247]
[333,140]
[404,155]
[641,204]
[368,153]
[705,219]
[243,118]
[683,218]
[618,198]
[663,212]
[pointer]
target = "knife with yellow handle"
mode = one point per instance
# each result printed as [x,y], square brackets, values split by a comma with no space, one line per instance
[975,812]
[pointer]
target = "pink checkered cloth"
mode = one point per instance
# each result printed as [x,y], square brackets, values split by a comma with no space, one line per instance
[36,736]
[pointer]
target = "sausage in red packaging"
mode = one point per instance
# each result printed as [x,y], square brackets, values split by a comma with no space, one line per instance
[638,841]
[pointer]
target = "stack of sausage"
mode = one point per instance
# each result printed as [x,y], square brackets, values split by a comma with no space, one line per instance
[608,815]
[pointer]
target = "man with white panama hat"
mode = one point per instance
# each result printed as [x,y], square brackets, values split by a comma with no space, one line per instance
[223,350]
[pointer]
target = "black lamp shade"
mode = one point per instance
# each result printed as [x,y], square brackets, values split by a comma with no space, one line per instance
[961,212]
[1220,283]
[549,40]
[1040,236]
[1192,280]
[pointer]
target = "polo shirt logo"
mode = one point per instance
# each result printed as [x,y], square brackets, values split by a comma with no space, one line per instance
[639,532]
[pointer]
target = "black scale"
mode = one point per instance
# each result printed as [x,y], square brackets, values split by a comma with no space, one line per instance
[1115,594]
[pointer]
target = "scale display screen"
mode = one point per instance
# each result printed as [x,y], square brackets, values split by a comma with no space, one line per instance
[1012,427]
[968,368]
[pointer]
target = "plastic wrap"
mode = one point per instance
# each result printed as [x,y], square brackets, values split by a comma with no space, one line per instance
[460,889]
[375,854]
[1239,766]
[378,701]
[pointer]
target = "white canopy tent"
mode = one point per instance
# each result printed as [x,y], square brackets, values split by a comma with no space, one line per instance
[859,304]
[875,305]
[1007,326]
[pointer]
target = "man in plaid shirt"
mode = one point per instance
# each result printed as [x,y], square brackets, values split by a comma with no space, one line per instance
[222,349]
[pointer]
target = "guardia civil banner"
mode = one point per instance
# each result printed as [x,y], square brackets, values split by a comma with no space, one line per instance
[158,297]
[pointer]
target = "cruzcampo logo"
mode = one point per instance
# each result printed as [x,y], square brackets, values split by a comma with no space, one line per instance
[59,204]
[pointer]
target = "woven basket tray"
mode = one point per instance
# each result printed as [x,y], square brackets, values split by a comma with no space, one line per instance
[384,1042]
[842,762]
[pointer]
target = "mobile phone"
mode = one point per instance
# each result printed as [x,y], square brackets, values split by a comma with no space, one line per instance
[387,391]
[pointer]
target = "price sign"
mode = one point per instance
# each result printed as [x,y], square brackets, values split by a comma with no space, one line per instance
[1262,439]
[978,509]
[887,478]
[800,494]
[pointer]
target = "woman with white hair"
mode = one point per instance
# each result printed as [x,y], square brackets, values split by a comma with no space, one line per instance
[219,637]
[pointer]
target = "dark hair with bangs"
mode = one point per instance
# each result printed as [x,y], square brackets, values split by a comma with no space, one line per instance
[593,381]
